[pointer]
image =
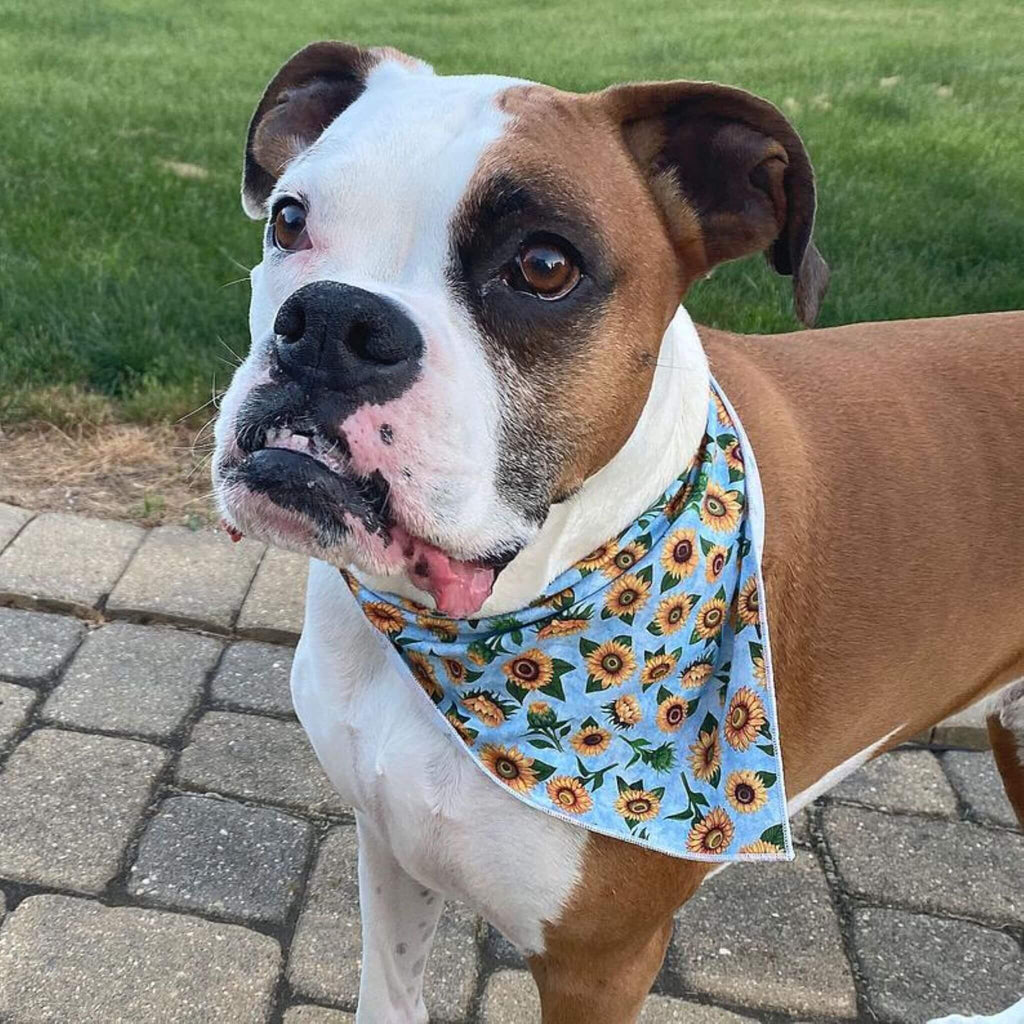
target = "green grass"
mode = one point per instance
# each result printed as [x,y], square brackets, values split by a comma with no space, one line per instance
[116,274]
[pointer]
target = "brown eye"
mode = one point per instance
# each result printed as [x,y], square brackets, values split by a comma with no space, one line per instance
[290,227]
[547,270]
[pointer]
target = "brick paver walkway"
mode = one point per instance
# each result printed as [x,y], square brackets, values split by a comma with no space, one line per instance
[171,852]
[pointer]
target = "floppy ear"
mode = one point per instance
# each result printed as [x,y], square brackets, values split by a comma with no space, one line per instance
[312,88]
[734,162]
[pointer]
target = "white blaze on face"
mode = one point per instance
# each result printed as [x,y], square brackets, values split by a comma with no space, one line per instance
[381,186]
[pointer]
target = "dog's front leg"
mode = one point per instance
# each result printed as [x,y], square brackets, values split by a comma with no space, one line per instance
[399,917]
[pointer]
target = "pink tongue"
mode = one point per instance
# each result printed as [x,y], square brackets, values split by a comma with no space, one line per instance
[459,589]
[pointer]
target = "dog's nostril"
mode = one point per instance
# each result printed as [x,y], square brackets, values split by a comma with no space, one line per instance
[360,340]
[290,323]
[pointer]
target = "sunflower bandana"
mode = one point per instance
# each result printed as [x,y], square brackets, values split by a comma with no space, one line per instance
[634,697]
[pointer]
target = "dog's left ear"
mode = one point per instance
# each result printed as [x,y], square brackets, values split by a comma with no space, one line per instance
[312,88]
[734,162]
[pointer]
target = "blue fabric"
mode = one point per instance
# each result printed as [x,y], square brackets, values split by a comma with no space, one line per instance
[635,696]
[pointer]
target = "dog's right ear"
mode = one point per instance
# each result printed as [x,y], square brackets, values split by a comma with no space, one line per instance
[303,98]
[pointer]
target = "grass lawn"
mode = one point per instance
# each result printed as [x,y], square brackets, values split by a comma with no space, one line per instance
[119,269]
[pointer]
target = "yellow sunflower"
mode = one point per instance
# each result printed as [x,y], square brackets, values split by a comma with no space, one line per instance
[460,727]
[711,618]
[598,558]
[671,714]
[760,670]
[720,509]
[720,410]
[625,558]
[531,670]
[714,563]
[424,674]
[744,719]
[706,756]
[748,603]
[611,664]
[627,710]
[454,670]
[485,709]
[562,627]
[637,805]
[673,612]
[679,555]
[476,657]
[442,628]
[557,600]
[510,765]
[350,581]
[627,594]
[569,794]
[760,846]
[675,504]
[745,791]
[734,455]
[711,835]
[657,668]
[383,617]
[697,674]
[591,740]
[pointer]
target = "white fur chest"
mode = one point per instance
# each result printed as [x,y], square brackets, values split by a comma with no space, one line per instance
[385,750]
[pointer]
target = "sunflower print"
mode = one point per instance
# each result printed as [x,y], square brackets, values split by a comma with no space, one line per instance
[627,595]
[510,765]
[485,708]
[657,668]
[710,619]
[706,756]
[591,740]
[625,558]
[638,805]
[424,674]
[712,834]
[383,617]
[696,675]
[530,670]
[715,562]
[746,792]
[679,555]
[671,714]
[635,695]
[720,509]
[562,627]
[672,613]
[568,794]
[744,719]
[748,604]
[611,664]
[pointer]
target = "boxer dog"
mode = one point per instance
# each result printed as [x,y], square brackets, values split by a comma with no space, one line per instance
[470,367]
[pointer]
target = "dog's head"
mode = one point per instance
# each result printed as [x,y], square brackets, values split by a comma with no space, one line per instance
[463,291]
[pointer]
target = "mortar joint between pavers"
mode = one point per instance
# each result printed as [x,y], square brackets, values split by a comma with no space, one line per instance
[989,826]
[59,606]
[248,587]
[841,907]
[1011,928]
[21,529]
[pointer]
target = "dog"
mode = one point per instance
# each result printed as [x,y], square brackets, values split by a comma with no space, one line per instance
[470,367]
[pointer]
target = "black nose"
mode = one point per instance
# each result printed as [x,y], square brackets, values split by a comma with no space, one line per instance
[342,338]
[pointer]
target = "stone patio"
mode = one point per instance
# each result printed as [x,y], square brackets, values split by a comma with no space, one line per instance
[171,852]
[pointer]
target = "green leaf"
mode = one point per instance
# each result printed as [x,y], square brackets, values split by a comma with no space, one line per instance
[710,723]
[668,581]
[588,722]
[680,815]
[716,778]
[587,646]
[625,639]
[627,617]
[663,694]
[542,744]
[706,545]
[653,627]
[559,667]
[516,691]
[691,706]
[606,613]
[768,778]
[646,573]
[765,730]
[724,440]
[517,636]
[622,784]
[701,799]
[659,792]
[554,689]
[735,474]
[593,685]
[542,770]
[775,835]
[766,748]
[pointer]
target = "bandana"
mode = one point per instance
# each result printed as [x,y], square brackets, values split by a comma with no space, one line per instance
[634,697]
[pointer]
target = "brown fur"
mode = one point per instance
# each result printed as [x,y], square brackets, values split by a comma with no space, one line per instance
[893,560]
[1008,751]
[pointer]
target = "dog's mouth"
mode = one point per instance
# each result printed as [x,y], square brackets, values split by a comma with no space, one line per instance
[321,504]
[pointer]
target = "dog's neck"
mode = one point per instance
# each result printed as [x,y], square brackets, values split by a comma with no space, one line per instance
[666,435]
